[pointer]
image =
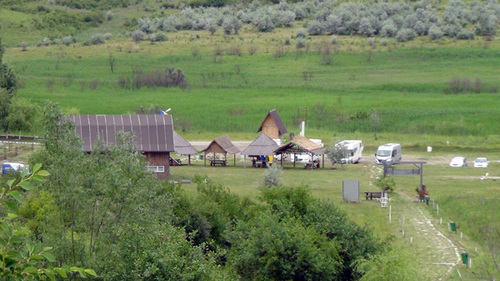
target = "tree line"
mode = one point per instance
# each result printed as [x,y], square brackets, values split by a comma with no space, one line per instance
[104,211]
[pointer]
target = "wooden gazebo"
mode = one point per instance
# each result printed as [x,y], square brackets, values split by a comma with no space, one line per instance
[183,147]
[272,125]
[300,144]
[221,145]
[262,145]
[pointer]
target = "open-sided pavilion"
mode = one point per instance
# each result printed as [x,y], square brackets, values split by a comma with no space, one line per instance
[220,145]
[300,144]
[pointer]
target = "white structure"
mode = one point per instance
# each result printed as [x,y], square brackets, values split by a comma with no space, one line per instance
[384,199]
[354,150]
[389,152]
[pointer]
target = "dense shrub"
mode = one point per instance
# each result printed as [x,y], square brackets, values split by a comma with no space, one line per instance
[46,41]
[138,36]
[171,77]
[301,33]
[97,39]
[315,28]
[389,29]
[264,23]
[465,35]
[272,177]
[67,40]
[157,37]
[406,34]
[435,33]
[365,27]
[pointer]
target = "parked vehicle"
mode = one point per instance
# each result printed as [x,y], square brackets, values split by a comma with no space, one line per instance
[12,167]
[481,162]
[354,149]
[458,161]
[389,152]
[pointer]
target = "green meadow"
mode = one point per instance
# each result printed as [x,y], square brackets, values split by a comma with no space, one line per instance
[401,88]
[386,91]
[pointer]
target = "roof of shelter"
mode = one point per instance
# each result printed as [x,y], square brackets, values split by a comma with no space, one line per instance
[225,143]
[153,133]
[301,143]
[182,146]
[275,116]
[262,145]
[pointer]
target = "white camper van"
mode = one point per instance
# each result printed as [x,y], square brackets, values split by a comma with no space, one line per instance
[354,150]
[389,152]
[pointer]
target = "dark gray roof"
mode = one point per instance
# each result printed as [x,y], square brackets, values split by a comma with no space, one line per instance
[182,146]
[153,133]
[225,143]
[262,145]
[276,117]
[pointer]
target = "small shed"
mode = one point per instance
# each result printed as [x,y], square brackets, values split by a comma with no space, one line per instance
[262,145]
[221,145]
[300,144]
[272,125]
[154,136]
[183,147]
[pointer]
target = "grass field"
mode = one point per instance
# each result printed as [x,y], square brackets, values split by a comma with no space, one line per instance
[400,89]
[394,92]
[457,194]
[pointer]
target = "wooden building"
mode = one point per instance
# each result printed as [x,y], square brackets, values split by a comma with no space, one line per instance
[272,125]
[221,145]
[154,136]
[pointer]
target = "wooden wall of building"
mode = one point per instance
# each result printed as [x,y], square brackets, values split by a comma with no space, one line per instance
[270,128]
[159,159]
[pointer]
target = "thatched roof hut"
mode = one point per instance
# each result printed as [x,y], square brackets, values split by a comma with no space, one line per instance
[183,147]
[300,144]
[222,145]
[262,145]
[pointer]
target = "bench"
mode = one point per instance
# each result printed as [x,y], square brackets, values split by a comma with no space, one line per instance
[374,194]
[217,162]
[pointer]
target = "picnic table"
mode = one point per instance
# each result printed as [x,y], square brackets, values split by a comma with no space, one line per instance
[260,164]
[217,162]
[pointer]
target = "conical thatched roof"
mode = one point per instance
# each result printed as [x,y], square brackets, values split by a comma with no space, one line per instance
[262,145]
[182,146]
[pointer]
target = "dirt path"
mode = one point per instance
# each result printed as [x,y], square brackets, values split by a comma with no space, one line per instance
[433,249]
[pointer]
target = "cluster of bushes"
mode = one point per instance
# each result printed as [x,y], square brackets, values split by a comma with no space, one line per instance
[387,19]
[99,38]
[405,22]
[170,77]
[59,22]
[117,219]
[66,40]
[459,85]
[91,4]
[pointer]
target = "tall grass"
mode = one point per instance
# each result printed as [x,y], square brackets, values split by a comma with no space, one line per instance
[404,87]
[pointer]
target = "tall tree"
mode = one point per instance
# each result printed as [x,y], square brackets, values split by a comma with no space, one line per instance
[8,79]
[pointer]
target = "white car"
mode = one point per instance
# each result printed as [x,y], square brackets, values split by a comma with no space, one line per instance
[481,162]
[458,162]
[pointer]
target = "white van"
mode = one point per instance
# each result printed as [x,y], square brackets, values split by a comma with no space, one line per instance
[389,152]
[354,150]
